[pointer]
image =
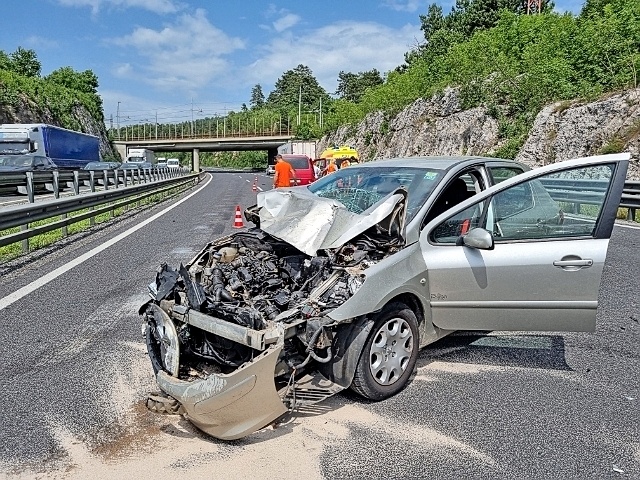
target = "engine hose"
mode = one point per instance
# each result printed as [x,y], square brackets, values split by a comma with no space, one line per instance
[318,359]
[303,364]
[310,348]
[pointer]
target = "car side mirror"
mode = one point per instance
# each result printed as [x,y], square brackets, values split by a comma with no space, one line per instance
[477,238]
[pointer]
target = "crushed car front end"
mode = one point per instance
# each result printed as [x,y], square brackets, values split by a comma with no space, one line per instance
[240,334]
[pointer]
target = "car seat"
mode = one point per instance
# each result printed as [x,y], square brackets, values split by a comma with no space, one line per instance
[455,193]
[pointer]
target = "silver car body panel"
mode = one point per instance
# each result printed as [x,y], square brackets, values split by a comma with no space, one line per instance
[516,286]
[230,406]
[399,274]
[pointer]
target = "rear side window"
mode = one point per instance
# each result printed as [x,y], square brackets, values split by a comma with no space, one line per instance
[500,174]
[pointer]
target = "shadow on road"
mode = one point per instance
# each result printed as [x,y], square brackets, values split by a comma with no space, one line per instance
[482,348]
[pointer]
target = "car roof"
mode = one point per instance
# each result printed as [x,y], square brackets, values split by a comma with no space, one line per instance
[437,162]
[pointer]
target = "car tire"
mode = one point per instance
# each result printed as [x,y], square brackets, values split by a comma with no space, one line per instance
[389,356]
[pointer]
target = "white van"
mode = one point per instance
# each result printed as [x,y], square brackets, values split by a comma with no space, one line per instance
[173,163]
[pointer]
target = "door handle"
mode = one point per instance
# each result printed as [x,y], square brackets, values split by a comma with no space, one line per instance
[573,263]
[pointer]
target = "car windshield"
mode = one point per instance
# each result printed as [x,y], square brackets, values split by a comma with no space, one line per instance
[100,165]
[18,146]
[16,160]
[358,188]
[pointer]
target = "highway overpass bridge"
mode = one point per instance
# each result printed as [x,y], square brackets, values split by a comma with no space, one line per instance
[269,143]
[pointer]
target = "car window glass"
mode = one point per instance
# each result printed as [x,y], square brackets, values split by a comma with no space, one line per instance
[500,174]
[564,204]
[448,231]
[298,162]
[358,188]
[456,191]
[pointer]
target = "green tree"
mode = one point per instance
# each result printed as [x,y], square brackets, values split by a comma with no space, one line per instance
[5,61]
[294,84]
[25,62]
[351,86]
[257,97]
[86,81]
[465,19]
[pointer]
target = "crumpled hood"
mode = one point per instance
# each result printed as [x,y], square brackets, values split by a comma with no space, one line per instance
[311,223]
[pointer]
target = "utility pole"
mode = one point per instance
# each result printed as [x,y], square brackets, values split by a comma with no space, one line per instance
[118,119]
[300,104]
[191,116]
[156,124]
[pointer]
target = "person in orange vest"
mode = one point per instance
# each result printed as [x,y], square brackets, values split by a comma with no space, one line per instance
[284,173]
[330,168]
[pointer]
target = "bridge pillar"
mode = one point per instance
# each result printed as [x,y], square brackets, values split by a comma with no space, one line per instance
[196,160]
[122,150]
[271,155]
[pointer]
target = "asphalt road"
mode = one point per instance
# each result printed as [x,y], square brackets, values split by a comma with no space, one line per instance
[75,373]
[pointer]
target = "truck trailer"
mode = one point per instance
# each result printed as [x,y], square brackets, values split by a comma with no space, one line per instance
[67,149]
[140,155]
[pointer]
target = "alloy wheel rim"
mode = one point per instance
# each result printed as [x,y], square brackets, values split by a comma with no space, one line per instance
[391,351]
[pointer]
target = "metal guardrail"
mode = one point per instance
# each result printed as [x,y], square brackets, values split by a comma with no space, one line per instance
[631,198]
[591,195]
[97,202]
[56,181]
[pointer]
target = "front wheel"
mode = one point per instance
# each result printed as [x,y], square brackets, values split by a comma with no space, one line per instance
[389,355]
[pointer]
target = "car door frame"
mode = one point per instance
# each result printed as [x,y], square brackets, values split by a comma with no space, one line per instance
[473,267]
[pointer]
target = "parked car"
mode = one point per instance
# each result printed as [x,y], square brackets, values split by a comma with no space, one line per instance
[303,166]
[102,166]
[16,163]
[136,166]
[342,282]
[271,169]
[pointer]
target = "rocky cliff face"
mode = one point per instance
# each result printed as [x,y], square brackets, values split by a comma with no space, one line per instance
[439,126]
[27,111]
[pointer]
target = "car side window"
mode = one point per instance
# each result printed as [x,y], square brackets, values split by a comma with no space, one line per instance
[450,230]
[456,191]
[564,204]
[500,174]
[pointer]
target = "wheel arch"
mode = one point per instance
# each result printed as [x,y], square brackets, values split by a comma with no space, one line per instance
[350,338]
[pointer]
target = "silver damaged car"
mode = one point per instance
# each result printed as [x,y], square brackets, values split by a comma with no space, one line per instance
[341,282]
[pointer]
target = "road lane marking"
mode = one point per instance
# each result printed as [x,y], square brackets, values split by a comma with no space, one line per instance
[632,227]
[42,281]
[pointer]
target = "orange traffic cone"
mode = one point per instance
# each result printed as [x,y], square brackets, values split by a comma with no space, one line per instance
[237,223]
[254,187]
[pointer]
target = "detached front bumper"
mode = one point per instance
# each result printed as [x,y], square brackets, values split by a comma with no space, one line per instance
[234,405]
[226,406]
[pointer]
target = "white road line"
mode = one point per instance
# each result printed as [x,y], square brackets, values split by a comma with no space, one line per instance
[42,281]
[632,227]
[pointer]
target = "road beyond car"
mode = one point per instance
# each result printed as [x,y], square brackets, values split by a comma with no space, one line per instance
[342,282]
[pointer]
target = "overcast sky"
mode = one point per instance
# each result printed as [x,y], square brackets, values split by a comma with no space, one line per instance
[170,58]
